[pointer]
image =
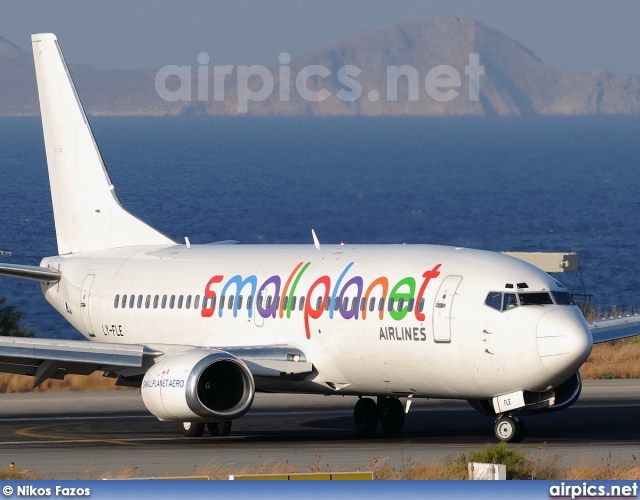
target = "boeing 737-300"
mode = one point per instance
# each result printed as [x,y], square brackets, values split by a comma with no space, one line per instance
[200,328]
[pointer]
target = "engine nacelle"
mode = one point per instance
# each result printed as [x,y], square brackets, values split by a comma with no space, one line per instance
[204,385]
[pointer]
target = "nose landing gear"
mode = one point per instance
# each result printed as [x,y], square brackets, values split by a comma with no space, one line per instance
[510,429]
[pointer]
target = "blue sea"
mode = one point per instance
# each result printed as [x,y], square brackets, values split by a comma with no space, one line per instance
[504,184]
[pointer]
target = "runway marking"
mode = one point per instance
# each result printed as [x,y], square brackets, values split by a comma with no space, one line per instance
[28,432]
[78,418]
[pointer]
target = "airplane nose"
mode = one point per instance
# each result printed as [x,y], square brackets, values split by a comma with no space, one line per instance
[564,341]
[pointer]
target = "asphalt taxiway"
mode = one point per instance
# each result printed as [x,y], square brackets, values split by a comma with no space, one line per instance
[88,434]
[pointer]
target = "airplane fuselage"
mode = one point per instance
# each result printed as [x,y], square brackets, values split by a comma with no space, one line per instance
[384,320]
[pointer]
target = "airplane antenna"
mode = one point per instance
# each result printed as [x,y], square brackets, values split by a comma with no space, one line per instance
[186,240]
[316,242]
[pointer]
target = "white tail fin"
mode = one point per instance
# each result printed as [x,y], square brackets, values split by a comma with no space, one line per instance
[87,212]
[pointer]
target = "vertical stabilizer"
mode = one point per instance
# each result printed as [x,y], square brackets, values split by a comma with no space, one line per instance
[87,212]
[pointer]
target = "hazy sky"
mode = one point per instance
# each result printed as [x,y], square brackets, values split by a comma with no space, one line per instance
[572,34]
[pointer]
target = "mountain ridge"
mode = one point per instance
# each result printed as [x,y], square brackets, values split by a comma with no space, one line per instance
[515,81]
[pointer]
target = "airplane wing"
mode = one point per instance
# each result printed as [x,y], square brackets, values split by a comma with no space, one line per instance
[30,272]
[50,358]
[604,330]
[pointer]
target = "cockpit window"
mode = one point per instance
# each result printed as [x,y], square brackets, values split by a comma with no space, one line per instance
[501,301]
[494,300]
[510,301]
[535,299]
[563,298]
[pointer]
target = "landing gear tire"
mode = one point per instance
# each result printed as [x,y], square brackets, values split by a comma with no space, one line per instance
[391,414]
[365,416]
[219,428]
[522,433]
[510,429]
[192,429]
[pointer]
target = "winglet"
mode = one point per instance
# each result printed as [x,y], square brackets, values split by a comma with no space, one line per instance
[316,242]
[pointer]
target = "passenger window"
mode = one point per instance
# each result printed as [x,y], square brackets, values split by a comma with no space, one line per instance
[164,302]
[345,304]
[239,301]
[284,302]
[372,304]
[336,304]
[510,301]
[301,304]
[354,304]
[196,301]
[269,302]
[222,301]
[132,301]
[260,300]
[381,304]
[400,304]
[147,303]
[156,299]
[140,301]
[205,302]
[494,300]
[319,304]
[180,300]
[421,305]
[172,302]
[293,302]
[124,301]
[187,304]
[363,303]
[327,304]
[116,301]
[390,305]
[411,303]
[230,303]
[249,301]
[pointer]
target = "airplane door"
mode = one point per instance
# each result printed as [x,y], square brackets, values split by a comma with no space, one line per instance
[442,309]
[84,303]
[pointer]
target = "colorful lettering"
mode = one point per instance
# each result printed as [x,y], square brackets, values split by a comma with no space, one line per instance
[346,298]
[309,311]
[286,289]
[428,276]
[397,296]
[207,312]
[271,311]
[240,284]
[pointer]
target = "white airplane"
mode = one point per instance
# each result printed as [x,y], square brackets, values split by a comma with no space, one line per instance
[200,328]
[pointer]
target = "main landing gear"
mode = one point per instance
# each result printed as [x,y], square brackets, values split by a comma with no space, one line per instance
[388,411]
[196,429]
[510,429]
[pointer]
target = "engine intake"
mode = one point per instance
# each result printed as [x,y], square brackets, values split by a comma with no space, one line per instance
[203,385]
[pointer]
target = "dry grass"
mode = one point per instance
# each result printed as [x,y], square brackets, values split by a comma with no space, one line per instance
[519,466]
[212,471]
[411,469]
[10,383]
[616,359]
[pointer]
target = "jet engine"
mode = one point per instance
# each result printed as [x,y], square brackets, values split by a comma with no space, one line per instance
[198,385]
[556,399]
